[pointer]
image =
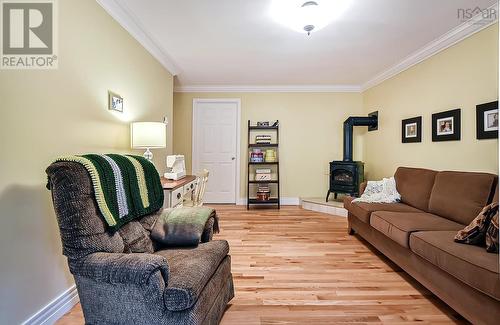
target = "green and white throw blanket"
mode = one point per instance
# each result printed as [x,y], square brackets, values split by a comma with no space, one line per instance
[125,186]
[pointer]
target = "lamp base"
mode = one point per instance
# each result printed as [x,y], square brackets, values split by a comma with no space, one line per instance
[148,155]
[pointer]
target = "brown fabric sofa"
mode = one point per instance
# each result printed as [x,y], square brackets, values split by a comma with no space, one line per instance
[417,234]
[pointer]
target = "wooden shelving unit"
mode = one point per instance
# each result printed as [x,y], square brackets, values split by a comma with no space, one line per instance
[274,201]
[270,145]
[264,182]
[263,163]
[274,184]
[254,127]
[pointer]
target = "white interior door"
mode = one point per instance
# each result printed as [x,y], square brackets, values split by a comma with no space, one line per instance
[216,146]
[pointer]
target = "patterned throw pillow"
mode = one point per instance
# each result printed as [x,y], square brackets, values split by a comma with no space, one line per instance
[475,232]
[492,235]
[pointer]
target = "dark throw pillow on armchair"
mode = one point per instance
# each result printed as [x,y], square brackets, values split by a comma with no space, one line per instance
[475,232]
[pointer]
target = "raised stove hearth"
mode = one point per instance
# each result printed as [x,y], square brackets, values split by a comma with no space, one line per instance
[346,175]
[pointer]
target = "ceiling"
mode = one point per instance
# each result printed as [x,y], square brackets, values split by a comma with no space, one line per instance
[236,43]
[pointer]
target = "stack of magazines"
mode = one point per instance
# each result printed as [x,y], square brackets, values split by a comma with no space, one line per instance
[263,174]
[263,193]
[262,139]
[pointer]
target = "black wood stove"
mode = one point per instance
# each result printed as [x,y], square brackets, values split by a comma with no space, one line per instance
[346,175]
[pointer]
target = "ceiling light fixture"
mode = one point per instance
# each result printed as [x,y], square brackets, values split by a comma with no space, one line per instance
[308,9]
[306,16]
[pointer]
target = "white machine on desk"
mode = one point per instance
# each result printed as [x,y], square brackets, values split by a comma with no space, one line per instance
[176,167]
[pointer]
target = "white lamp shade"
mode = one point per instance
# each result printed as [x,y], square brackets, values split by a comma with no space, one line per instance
[148,135]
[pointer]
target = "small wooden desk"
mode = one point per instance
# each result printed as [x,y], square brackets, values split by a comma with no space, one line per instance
[176,191]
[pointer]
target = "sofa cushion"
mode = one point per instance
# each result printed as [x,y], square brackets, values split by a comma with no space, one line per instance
[475,232]
[460,196]
[362,210]
[190,269]
[398,226]
[470,264]
[415,186]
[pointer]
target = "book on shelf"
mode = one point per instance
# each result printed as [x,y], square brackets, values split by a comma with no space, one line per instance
[263,139]
[263,189]
[262,177]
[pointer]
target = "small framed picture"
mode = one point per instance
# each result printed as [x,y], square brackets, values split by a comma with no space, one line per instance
[115,102]
[446,125]
[487,121]
[411,130]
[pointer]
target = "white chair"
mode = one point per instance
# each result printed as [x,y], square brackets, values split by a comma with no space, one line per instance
[198,191]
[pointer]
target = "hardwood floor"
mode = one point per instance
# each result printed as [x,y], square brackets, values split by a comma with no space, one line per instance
[296,266]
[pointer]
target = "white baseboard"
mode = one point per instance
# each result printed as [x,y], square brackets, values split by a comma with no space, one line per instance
[283,201]
[290,201]
[55,309]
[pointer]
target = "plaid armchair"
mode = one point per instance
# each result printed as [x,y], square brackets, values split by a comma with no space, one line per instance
[122,277]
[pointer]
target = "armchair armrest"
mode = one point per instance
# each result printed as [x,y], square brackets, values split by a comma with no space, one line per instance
[134,268]
[208,231]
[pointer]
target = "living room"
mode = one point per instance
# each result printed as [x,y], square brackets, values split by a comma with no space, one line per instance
[345,97]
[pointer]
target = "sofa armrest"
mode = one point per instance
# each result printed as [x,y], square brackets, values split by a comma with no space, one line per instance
[133,268]
[362,187]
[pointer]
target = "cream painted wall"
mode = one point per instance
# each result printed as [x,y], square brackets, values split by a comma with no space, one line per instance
[49,113]
[310,133]
[461,76]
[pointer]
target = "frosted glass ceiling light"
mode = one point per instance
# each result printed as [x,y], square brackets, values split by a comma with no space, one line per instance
[307,16]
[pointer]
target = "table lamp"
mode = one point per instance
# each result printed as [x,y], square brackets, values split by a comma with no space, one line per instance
[148,135]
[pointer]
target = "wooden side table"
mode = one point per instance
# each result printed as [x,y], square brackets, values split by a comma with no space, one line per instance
[176,191]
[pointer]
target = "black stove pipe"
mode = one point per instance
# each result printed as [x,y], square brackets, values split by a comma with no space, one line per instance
[370,121]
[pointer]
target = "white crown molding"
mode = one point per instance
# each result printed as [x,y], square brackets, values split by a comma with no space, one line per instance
[126,19]
[55,309]
[269,89]
[457,34]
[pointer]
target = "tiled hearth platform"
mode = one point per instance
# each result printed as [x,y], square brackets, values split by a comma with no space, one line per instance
[319,205]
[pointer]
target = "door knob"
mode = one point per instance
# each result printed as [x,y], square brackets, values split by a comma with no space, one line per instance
[233,158]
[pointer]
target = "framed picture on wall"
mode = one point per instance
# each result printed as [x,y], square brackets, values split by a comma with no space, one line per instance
[115,102]
[446,125]
[411,130]
[487,121]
